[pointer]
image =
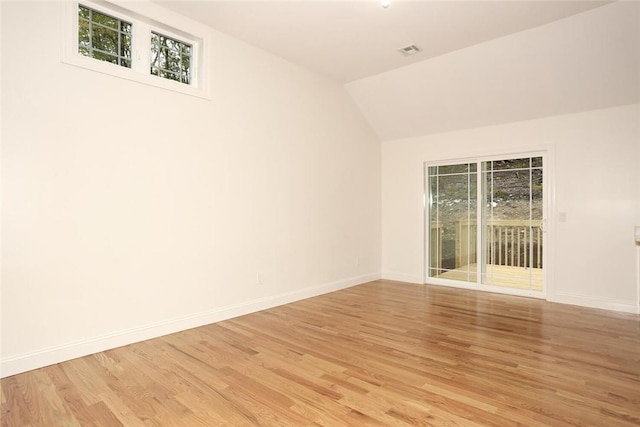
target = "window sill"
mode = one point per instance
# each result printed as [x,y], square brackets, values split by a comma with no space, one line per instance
[129,74]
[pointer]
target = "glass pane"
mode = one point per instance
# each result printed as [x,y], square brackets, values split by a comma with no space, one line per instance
[169,59]
[173,61]
[512,214]
[537,234]
[104,37]
[511,164]
[186,65]
[83,12]
[452,214]
[105,57]
[125,27]
[84,40]
[536,162]
[536,194]
[164,59]
[186,71]
[462,168]
[125,46]
[170,44]
[173,76]
[510,196]
[102,19]
[105,40]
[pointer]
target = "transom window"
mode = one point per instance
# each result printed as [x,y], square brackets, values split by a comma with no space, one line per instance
[107,38]
[170,58]
[143,43]
[104,37]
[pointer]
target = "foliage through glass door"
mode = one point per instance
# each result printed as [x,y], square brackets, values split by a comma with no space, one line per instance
[509,240]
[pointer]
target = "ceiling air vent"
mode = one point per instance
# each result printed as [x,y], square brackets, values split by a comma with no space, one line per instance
[409,50]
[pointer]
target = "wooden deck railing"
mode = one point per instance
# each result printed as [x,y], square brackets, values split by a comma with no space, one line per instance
[516,243]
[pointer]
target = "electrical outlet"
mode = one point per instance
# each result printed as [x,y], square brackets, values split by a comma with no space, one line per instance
[259,278]
[357,261]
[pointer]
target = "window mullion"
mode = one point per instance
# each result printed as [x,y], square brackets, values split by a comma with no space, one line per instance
[141,34]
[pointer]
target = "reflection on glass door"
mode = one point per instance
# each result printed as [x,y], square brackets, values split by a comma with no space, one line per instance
[512,215]
[506,249]
[452,218]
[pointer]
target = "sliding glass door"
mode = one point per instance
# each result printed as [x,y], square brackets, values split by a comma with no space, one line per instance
[499,245]
[452,221]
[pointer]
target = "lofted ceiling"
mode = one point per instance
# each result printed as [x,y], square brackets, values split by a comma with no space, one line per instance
[351,40]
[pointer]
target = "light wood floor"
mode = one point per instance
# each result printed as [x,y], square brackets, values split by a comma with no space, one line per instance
[384,353]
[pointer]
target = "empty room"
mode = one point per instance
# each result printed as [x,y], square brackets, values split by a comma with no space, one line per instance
[320,213]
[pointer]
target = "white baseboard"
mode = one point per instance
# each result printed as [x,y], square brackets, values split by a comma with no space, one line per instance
[559,297]
[49,356]
[592,302]
[401,277]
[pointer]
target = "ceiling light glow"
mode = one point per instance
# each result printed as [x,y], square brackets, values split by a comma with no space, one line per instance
[385,3]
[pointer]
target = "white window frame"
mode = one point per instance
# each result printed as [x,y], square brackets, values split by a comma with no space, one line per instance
[146,18]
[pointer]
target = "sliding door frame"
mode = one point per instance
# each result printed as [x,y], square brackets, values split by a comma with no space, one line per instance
[548,161]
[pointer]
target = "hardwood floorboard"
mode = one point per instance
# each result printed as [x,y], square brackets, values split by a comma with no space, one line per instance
[384,353]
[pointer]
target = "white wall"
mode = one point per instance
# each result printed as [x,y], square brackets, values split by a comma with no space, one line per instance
[595,179]
[131,211]
[573,85]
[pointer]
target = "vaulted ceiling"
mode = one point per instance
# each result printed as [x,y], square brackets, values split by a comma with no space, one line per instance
[480,62]
[349,40]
